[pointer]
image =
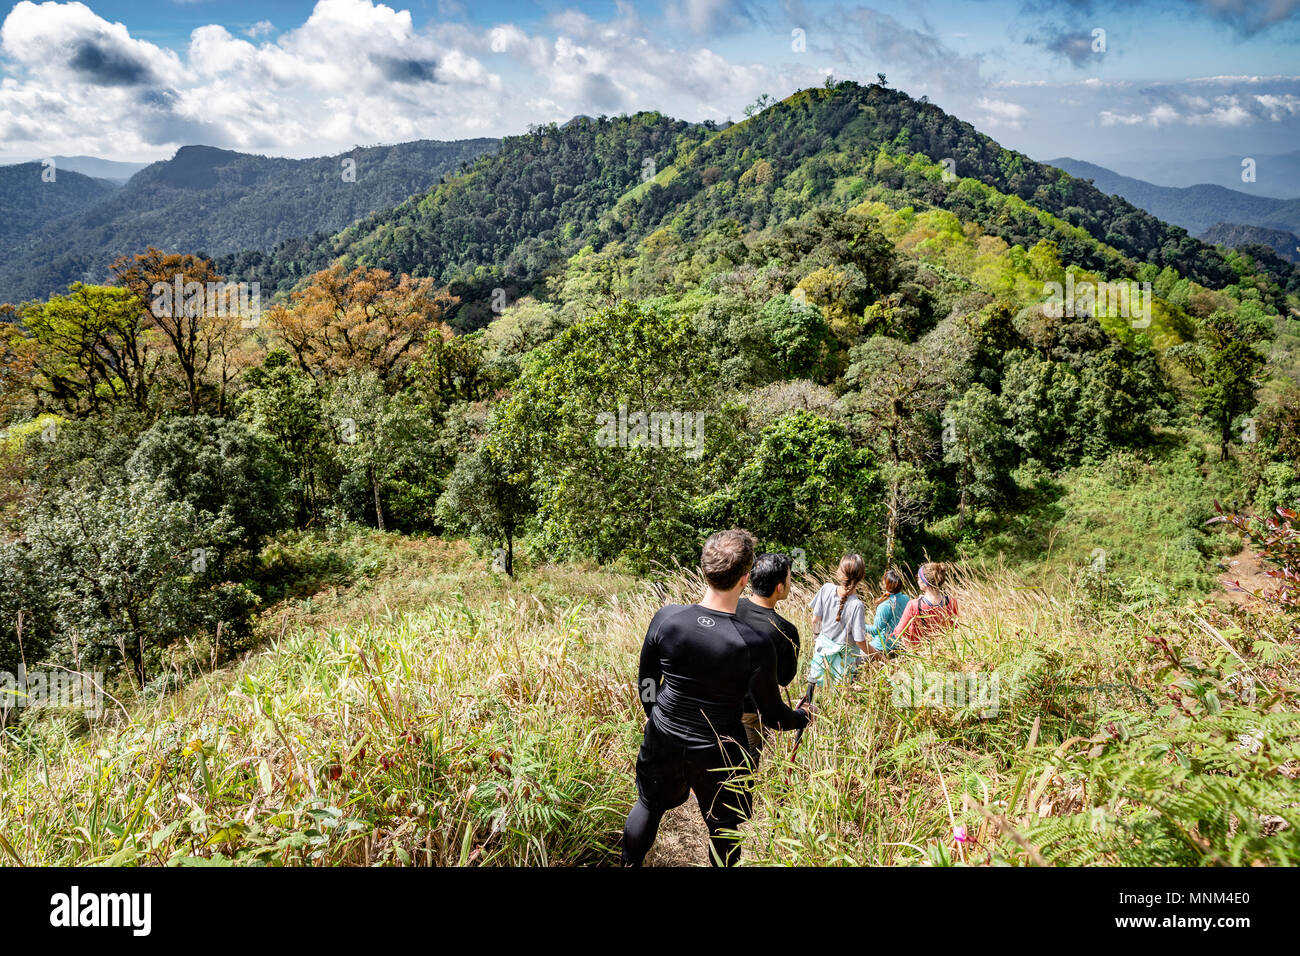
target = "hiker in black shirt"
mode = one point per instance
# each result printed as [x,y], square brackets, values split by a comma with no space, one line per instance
[698,663]
[770,583]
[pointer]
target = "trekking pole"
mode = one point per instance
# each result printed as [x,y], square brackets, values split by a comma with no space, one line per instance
[798,734]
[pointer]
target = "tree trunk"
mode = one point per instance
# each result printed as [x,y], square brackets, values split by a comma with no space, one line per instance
[379,508]
[510,555]
[891,525]
[134,653]
[961,506]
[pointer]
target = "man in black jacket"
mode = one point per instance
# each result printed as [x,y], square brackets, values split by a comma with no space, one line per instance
[698,663]
[770,584]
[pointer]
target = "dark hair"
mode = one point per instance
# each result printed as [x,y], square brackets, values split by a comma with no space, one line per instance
[891,582]
[769,573]
[727,557]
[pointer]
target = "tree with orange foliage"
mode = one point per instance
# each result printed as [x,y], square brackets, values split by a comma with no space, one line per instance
[366,319]
[188,319]
[18,357]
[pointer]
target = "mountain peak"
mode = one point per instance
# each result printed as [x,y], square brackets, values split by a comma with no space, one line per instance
[197,150]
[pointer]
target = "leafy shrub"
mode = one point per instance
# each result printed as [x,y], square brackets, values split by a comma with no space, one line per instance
[127,571]
[217,466]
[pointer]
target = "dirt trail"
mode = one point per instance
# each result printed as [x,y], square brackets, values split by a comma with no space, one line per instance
[1243,575]
[683,838]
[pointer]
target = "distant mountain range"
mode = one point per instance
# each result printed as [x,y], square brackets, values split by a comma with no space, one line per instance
[1285,244]
[202,200]
[1195,208]
[109,169]
[516,215]
[491,213]
[1275,175]
[33,195]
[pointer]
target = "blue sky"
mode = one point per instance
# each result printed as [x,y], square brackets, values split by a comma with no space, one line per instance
[1095,79]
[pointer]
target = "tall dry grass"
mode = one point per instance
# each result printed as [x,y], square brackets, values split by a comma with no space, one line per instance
[496,722]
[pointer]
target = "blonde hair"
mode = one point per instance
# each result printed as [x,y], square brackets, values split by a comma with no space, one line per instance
[850,573]
[932,574]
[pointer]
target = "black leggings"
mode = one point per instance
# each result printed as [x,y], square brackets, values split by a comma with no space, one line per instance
[665,776]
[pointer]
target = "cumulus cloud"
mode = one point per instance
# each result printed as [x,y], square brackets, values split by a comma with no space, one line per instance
[68,43]
[361,71]
[1002,113]
[1222,102]
[355,71]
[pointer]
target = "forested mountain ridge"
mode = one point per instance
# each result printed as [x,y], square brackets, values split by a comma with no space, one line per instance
[829,325]
[214,201]
[30,198]
[1236,236]
[1195,208]
[516,214]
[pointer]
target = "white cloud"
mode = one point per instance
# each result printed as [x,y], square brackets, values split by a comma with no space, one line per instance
[355,71]
[1225,110]
[69,43]
[1278,107]
[1002,112]
[359,71]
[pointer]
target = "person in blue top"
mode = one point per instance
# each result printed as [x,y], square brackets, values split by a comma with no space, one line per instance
[889,611]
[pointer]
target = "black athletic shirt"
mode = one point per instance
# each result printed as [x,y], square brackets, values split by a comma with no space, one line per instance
[697,666]
[784,636]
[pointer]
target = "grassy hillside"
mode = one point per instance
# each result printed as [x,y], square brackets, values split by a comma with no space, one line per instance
[477,720]
[1141,514]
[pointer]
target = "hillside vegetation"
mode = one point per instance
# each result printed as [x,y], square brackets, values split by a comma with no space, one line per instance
[216,201]
[1285,244]
[594,181]
[494,722]
[850,323]
[30,198]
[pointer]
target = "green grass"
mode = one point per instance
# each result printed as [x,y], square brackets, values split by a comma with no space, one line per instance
[439,713]
[1144,512]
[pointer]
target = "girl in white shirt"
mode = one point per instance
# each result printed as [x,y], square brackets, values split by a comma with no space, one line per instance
[839,623]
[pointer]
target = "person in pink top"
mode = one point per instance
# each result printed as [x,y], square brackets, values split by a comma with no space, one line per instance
[933,611]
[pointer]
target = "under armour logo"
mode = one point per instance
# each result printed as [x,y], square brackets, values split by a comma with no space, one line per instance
[704,621]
